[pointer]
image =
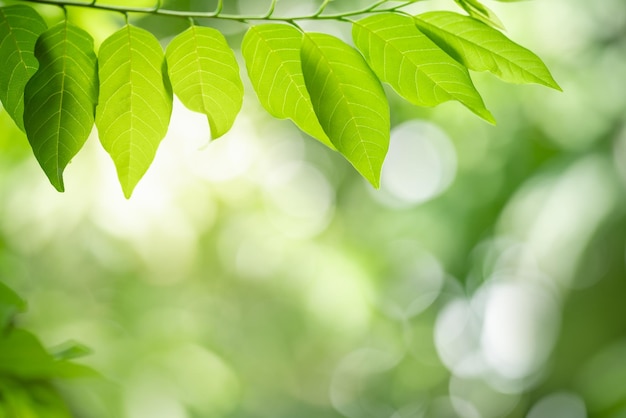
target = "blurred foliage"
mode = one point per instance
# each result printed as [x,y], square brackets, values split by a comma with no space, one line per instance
[258,276]
[28,372]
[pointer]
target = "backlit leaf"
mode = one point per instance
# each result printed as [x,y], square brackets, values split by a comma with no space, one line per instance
[20,26]
[480,12]
[135,102]
[205,76]
[60,98]
[272,55]
[413,65]
[349,102]
[482,48]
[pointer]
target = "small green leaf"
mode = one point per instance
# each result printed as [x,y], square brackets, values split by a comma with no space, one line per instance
[20,26]
[479,11]
[59,100]
[10,305]
[349,102]
[413,65]
[482,48]
[135,102]
[22,355]
[205,76]
[272,55]
[69,350]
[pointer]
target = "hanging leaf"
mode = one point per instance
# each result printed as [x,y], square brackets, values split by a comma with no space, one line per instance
[480,12]
[272,55]
[205,76]
[135,102]
[20,26]
[482,48]
[413,65]
[349,102]
[60,98]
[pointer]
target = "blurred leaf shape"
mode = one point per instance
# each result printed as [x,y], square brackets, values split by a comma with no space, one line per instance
[20,26]
[349,102]
[22,356]
[205,76]
[69,350]
[413,65]
[272,56]
[135,102]
[482,48]
[10,305]
[33,399]
[60,98]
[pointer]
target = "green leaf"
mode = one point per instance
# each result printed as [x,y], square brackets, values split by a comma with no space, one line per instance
[20,26]
[413,65]
[272,56]
[135,102]
[59,100]
[205,76]
[480,12]
[10,305]
[482,48]
[349,102]
[69,350]
[22,355]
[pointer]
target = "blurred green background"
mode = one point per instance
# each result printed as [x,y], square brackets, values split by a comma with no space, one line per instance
[259,276]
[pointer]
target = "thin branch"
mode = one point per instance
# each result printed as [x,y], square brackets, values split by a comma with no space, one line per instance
[217,13]
[270,12]
[322,8]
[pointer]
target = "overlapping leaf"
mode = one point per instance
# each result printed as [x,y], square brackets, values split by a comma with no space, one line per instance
[205,76]
[413,65]
[482,48]
[135,102]
[272,55]
[349,102]
[479,11]
[60,98]
[20,26]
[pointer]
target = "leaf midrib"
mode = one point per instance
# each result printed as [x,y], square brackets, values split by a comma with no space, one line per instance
[481,48]
[352,116]
[60,112]
[131,102]
[196,54]
[281,67]
[410,58]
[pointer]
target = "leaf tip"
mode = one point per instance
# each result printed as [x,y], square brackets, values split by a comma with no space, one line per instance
[128,190]
[56,179]
[553,84]
[375,183]
[486,115]
[370,174]
[127,182]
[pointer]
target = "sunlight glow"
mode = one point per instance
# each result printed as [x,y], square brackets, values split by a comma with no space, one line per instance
[420,165]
